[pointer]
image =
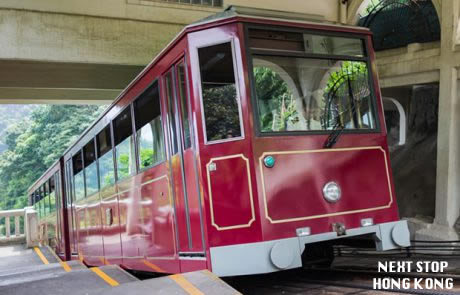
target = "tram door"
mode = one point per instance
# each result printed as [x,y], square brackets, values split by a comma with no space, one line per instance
[182,162]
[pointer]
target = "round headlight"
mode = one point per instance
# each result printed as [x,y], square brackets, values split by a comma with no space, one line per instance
[332,192]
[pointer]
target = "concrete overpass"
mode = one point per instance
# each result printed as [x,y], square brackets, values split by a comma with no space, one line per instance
[84,51]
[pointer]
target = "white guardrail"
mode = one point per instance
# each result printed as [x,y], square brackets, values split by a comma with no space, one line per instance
[29,230]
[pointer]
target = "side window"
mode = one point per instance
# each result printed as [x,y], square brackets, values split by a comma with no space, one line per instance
[124,144]
[149,131]
[40,202]
[52,195]
[46,198]
[171,112]
[68,180]
[91,179]
[78,180]
[183,99]
[220,99]
[105,158]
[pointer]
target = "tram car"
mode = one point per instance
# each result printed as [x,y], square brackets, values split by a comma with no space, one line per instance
[250,144]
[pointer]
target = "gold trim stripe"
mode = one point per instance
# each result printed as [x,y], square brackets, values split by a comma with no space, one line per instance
[328,214]
[251,199]
[41,256]
[185,284]
[104,276]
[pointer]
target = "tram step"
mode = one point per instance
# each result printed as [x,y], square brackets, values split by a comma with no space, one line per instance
[198,282]
[79,281]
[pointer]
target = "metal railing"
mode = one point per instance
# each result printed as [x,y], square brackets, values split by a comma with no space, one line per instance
[25,226]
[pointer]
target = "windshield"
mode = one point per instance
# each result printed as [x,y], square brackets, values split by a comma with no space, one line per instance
[310,82]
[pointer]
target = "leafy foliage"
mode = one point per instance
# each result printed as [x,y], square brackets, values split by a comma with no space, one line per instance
[277,103]
[35,143]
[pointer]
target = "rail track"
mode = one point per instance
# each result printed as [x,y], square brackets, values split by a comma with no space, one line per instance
[345,277]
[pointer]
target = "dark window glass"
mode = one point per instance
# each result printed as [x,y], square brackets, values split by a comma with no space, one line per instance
[183,98]
[105,158]
[46,198]
[149,131]
[78,179]
[124,144]
[52,194]
[40,203]
[171,113]
[220,103]
[91,179]
[57,185]
[68,180]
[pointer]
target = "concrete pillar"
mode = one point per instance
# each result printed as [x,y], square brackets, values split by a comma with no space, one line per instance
[448,150]
[31,227]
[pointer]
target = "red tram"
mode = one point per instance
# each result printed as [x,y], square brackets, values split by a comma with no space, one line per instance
[250,144]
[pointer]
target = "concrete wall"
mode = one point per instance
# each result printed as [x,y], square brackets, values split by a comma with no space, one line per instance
[86,51]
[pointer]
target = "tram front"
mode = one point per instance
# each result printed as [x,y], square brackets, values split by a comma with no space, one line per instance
[294,145]
[320,150]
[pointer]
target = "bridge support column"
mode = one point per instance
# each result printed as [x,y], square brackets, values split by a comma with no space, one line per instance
[448,144]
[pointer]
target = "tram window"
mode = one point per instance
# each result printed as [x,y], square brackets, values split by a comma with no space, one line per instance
[39,202]
[52,194]
[68,182]
[105,158]
[57,189]
[309,93]
[171,113]
[46,198]
[78,179]
[305,94]
[220,99]
[183,98]
[91,179]
[149,131]
[124,144]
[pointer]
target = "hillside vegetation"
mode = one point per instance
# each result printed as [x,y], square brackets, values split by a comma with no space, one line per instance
[34,142]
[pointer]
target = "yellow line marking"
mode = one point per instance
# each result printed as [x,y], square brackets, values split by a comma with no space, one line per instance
[185,284]
[40,254]
[152,266]
[65,266]
[104,276]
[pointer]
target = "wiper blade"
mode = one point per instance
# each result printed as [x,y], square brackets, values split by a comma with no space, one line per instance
[333,136]
[338,127]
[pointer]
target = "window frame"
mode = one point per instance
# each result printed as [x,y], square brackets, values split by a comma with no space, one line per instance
[94,143]
[80,151]
[182,62]
[112,134]
[237,90]
[366,59]
[139,169]
[109,125]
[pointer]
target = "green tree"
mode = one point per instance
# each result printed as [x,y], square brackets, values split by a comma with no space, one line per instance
[35,144]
